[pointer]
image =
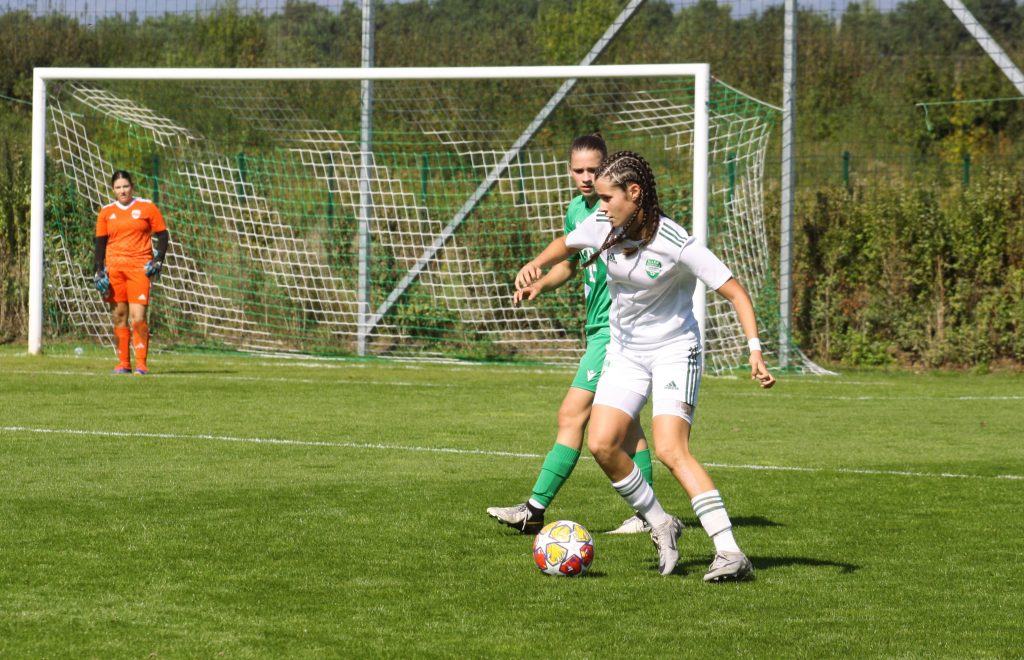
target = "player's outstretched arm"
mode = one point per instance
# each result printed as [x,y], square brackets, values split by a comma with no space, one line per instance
[734,292]
[559,274]
[556,252]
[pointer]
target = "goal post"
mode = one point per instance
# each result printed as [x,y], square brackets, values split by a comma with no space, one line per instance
[261,175]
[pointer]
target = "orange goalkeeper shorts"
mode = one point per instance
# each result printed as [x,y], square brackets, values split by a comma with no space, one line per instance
[128,285]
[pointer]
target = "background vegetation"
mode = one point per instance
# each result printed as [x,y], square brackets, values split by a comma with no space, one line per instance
[909,218]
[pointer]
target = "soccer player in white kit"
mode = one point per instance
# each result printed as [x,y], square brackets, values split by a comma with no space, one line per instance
[655,351]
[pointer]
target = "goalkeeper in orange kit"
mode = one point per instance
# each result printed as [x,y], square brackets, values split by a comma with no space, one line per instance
[126,264]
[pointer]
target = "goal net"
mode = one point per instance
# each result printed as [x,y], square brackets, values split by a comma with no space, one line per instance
[291,233]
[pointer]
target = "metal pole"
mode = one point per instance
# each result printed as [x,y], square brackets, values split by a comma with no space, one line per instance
[365,193]
[990,46]
[38,204]
[701,127]
[788,177]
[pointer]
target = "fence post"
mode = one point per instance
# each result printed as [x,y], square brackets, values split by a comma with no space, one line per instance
[242,174]
[788,182]
[730,167]
[330,194]
[424,177]
[154,175]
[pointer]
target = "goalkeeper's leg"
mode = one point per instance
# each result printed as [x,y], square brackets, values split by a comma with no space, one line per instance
[140,337]
[122,337]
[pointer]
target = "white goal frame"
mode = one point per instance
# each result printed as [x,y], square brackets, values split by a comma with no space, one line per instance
[42,76]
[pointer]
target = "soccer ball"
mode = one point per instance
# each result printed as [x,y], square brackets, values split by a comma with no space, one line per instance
[564,548]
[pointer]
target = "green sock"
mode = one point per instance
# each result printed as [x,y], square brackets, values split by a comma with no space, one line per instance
[643,461]
[558,465]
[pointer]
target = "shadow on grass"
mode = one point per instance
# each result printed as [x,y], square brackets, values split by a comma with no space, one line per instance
[762,564]
[768,563]
[754,521]
[742,521]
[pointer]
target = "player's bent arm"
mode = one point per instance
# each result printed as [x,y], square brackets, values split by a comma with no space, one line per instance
[162,239]
[559,274]
[734,292]
[556,252]
[99,253]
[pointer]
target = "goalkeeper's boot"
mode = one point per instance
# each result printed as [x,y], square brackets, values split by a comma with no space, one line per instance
[633,525]
[520,517]
[122,369]
[729,566]
[141,371]
[664,537]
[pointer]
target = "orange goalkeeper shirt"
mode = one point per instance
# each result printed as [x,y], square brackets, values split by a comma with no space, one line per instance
[129,231]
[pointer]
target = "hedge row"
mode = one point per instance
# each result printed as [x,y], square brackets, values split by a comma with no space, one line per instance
[922,275]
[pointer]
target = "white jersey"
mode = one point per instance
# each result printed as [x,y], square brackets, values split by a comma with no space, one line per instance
[652,289]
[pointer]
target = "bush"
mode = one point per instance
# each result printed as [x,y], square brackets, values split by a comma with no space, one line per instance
[912,274]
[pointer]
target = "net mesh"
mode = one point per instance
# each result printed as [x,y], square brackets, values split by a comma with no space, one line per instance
[264,187]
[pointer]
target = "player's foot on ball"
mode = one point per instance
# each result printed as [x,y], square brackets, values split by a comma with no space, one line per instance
[121,369]
[141,371]
[729,566]
[633,525]
[518,517]
[664,537]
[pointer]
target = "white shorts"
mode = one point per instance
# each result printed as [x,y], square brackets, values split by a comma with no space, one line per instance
[670,376]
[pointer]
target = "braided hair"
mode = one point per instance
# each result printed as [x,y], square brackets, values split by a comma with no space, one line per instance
[622,168]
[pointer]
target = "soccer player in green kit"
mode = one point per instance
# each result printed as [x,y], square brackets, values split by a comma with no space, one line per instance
[586,153]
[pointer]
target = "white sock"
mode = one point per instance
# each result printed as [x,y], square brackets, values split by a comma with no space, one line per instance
[712,514]
[639,494]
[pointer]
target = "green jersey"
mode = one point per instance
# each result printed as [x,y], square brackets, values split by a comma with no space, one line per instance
[595,278]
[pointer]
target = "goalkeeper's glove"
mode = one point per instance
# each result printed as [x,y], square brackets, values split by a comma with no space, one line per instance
[154,268]
[101,281]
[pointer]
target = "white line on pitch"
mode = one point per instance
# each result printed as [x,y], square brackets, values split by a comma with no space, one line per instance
[826,397]
[263,441]
[256,379]
[474,452]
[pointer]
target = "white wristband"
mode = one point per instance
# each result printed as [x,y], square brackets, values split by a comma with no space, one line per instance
[754,344]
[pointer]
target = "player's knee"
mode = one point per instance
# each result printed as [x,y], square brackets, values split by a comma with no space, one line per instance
[572,419]
[601,447]
[636,435]
[673,455]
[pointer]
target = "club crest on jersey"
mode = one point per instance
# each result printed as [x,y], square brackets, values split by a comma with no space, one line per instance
[652,268]
[136,214]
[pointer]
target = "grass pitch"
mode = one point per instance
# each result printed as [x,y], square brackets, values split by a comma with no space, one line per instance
[252,507]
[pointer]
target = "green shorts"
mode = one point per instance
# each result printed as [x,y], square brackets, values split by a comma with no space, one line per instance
[589,371]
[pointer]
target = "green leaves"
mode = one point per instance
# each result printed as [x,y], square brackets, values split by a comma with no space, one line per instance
[913,274]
